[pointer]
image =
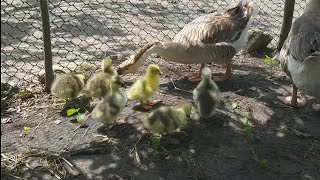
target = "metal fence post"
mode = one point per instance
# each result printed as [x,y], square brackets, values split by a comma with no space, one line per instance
[47,44]
[286,23]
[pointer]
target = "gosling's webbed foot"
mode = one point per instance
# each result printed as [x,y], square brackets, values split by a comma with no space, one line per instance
[220,78]
[195,78]
[146,106]
[153,102]
[226,76]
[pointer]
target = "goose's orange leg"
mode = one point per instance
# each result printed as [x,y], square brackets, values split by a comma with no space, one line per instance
[145,106]
[197,76]
[153,102]
[293,100]
[226,76]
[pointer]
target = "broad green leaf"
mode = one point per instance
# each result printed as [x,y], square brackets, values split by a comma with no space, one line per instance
[270,61]
[72,111]
[27,129]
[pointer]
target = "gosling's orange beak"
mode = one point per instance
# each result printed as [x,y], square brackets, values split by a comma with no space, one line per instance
[160,73]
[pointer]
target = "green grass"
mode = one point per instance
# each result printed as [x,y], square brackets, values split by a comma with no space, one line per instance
[156,151]
[80,117]
[271,62]
[250,136]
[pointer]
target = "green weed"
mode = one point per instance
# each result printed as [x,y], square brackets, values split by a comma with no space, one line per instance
[271,62]
[248,129]
[156,151]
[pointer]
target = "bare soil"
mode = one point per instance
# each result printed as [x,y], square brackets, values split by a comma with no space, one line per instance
[286,140]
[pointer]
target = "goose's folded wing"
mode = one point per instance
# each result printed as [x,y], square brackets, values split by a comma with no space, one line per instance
[210,29]
[303,40]
[283,56]
[220,52]
[305,36]
[304,45]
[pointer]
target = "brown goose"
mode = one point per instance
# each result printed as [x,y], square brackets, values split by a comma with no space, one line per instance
[300,55]
[211,38]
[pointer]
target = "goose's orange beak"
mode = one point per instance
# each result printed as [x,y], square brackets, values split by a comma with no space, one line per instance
[160,73]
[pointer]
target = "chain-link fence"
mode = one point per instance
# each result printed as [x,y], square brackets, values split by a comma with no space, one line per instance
[87,30]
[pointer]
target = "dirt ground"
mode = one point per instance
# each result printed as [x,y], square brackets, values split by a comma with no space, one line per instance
[286,140]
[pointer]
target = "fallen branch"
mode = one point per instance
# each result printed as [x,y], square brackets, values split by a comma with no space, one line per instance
[277,106]
[69,163]
[85,132]
[75,134]
[46,115]
[135,145]
[176,88]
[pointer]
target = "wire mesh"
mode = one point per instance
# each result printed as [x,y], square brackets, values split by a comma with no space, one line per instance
[85,31]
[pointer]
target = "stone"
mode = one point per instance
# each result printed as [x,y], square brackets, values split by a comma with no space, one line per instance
[258,40]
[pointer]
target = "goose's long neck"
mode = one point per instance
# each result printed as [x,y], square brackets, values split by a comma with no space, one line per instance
[144,53]
[132,64]
[168,51]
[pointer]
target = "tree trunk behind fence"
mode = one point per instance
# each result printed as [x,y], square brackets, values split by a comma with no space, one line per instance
[47,44]
[287,22]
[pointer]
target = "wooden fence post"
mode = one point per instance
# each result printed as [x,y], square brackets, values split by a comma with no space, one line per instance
[47,44]
[286,23]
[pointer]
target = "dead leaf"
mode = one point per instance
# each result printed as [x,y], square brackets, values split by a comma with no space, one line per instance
[121,121]
[235,105]
[192,151]
[283,129]
[6,120]
[105,137]
[25,94]
[136,157]
[57,122]
[11,110]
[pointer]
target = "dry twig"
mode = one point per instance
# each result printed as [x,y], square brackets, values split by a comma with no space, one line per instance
[176,88]
[45,117]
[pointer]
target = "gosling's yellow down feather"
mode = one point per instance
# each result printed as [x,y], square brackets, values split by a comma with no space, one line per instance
[99,84]
[146,86]
[167,119]
[67,86]
[106,66]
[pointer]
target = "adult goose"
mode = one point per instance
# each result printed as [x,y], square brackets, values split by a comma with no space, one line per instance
[211,38]
[300,55]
